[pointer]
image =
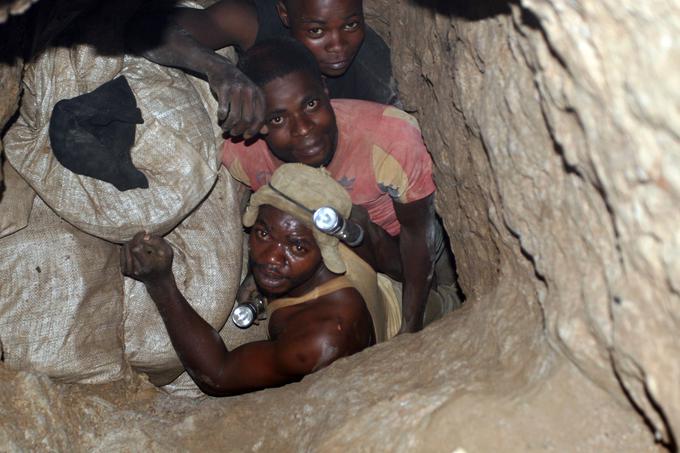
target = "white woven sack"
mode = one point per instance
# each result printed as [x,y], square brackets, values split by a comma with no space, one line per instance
[16,201]
[61,301]
[207,265]
[175,147]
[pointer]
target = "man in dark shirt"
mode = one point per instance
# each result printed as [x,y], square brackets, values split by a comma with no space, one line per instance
[352,57]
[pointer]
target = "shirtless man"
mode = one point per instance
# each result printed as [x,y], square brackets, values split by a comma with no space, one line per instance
[316,315]
[355,60]
[375,151]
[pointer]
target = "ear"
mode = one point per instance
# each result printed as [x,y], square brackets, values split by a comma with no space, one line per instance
[283,13]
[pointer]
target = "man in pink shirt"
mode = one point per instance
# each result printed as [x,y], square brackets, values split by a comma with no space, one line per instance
[375,151]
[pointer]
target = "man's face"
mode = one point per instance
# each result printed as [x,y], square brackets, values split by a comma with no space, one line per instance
[300,119]
[332,30]
[283,252]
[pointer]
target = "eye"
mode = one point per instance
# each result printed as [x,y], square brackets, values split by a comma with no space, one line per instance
[299,248]
[352,26]
[315,32]
[311,105]
[276,120]
[261,233]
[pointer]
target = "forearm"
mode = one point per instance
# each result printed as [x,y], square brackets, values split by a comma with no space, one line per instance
[159,38]
[198,345]
[418,268]
[417,250]
[378,249]
[381,251]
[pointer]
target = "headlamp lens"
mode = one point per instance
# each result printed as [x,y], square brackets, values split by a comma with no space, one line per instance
[326,219]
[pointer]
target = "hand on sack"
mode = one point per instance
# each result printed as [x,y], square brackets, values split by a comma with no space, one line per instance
[147,258]
[241,103]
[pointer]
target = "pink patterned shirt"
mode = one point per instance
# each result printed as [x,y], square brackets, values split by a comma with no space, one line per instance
[380,159]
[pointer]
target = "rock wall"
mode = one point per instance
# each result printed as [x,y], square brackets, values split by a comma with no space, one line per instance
[554,126]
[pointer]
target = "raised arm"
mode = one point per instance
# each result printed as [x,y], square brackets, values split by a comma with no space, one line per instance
[378,249]
[313,340]
[186,38]
[417,248]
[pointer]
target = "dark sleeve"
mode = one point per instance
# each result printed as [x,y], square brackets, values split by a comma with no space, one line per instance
[269,22]
[370,76]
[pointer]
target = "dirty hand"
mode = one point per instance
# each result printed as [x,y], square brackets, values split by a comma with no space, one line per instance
[241,105]
[147,258]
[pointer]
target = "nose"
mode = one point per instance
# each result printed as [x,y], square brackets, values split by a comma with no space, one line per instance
[275,255]
[302,125]
[336,42]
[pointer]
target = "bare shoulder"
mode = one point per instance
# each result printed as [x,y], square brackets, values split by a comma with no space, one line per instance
[345,306]
[323,330]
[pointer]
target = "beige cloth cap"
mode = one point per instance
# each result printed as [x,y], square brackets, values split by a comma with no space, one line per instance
[299,190]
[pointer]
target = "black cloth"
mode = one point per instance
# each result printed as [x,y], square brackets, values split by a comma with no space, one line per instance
[369,77]
[92,134]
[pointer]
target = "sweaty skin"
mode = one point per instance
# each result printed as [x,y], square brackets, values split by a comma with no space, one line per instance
[304,338]
[300,119]
[332,30]
[186,38]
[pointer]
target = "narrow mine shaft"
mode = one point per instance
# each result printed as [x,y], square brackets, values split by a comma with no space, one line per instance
[554,130]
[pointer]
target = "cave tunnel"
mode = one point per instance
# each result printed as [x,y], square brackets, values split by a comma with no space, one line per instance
[554,128]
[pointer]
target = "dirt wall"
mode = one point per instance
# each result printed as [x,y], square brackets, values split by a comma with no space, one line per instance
[555,129]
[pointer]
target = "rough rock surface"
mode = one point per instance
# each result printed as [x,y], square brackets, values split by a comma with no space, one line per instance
[374,401]
[554,127]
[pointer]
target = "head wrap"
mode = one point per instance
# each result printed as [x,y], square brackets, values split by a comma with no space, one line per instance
[299,190]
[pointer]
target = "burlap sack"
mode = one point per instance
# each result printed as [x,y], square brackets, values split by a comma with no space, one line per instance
[61,301]
[207,267]
[174,148]
[177,149]
[16,201]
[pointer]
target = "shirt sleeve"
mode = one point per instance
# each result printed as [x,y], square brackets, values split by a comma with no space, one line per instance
[401,163]
[269,23]
[231,160]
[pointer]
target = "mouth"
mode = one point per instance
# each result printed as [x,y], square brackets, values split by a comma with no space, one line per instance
[268,278]
[312,149]
[338,65]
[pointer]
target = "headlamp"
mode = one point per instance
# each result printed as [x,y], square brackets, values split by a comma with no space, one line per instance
[329,221]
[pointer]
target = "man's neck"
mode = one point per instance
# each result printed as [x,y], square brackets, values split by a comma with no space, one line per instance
[321,276]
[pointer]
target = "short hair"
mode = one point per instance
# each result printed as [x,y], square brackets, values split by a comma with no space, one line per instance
[275,58]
